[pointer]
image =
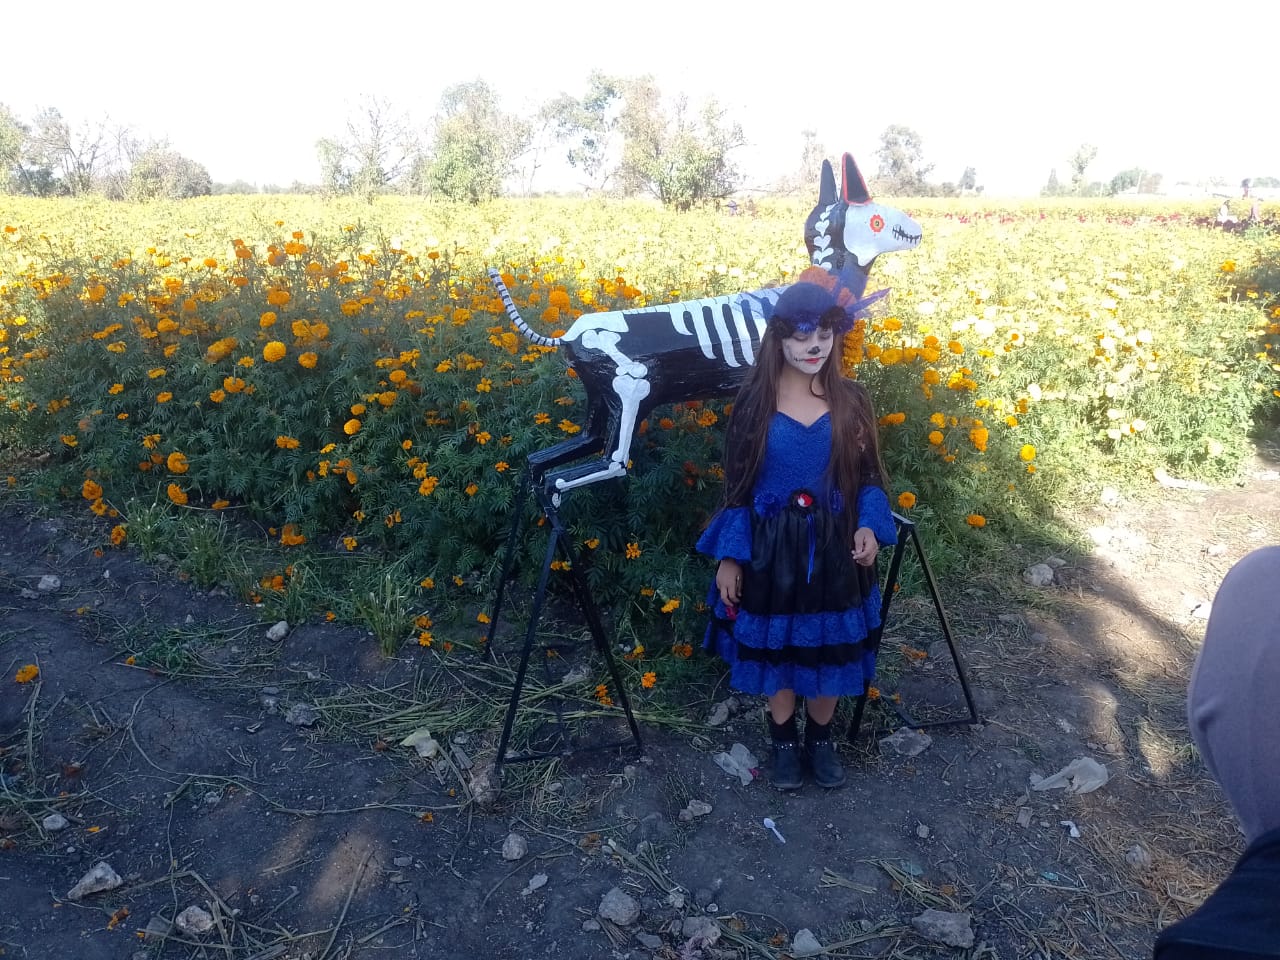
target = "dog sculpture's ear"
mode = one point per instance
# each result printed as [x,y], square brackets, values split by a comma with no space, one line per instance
[854,187]
[827,185]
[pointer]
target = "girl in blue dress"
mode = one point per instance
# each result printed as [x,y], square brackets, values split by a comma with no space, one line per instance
[805,512]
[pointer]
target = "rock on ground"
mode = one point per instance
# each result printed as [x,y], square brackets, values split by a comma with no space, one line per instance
[952,929]
[194,921]
[100,878]
[619,907]
[514,847]
[805,944]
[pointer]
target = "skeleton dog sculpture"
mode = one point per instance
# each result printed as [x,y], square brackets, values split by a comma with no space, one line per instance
[630,361]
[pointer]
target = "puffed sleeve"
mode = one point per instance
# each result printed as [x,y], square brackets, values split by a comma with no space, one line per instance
[728,535]
[874,512]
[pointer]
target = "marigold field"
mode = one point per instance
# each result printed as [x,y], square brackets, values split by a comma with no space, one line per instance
[284,394]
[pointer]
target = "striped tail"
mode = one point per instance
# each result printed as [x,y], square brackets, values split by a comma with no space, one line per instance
[496,278]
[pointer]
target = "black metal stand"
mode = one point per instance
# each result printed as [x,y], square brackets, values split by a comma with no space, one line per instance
[537,479]
[907,533]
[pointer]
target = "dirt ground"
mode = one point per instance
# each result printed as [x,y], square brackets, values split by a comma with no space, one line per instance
[332,840]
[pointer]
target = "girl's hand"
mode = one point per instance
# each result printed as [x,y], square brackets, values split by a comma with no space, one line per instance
[729,581]
[865,547]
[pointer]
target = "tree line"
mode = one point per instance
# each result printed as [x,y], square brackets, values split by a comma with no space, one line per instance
[620,136]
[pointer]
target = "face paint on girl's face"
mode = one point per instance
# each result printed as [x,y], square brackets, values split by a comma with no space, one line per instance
[808,352]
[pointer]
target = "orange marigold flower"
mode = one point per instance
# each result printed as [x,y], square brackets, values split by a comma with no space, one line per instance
[287,443]
[906,500]
[935,437]
[357,409]
[119,533]
[541,418]
[219,504]
[671,605]
[569,427]
[267,319]
[649,680]
[633,551]
[274,351]
[471,489]
[290,536]
[116,388]
[164,397]
[976,520]
[177,494]
[27,674]
[91,490]
[177,462]
[350,542]
[351,427]
[307,360]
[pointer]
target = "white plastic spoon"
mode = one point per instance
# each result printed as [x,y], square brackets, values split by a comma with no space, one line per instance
[770,825]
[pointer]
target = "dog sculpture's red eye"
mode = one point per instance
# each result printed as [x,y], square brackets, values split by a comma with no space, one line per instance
[877,223]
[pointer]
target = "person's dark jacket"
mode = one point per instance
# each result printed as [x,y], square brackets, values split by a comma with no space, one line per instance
[1240,920]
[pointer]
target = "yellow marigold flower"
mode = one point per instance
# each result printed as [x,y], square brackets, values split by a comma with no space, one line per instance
[397,376]
[502,466]
[156,372]
[285,442]
[177,462]
[290,536]
[210,262]
[932,377]
[116,388]
[406,444]
[671,605]
[278,297]
[91,490]
[978,436]
[274,351]
[357,409]
[232,384]
[177,494]
[541,418]
[427,583]
[649,680]
[119,533]
[976,520]
[482,617]
[1011,421]
[633,551]
[351,427]
[891,356]
[300,329]
[151,441]
[350,543]
[935,437]
[569,427]
[484,386]
[938,419]
[386,398]
[428,486]
[906,500]
[1027,453]
[1228,266]
[308,360]
[219,504]
[27,674]
[893,419]
[217,396]
[444,366]
[267,319]
[471,489]
[164,397]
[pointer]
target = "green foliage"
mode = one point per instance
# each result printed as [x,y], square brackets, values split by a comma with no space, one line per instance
[903,171]
[475,144]
[160,172]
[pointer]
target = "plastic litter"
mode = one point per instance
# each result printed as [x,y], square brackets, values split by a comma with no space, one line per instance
[738,762]
[1081,775]
[770,825]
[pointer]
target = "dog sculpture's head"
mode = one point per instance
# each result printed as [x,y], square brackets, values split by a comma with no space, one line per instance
[847,231]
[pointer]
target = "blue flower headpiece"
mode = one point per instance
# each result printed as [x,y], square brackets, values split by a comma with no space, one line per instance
[818,299]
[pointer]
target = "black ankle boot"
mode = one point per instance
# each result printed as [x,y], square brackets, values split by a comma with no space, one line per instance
[787,773]
[821,756]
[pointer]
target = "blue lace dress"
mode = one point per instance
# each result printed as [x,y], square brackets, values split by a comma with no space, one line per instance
[806,608]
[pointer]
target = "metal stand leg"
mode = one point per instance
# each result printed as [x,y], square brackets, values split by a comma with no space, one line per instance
[558,540]
[907,532]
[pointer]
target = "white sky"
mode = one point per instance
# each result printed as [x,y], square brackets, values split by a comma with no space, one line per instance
[1010,87]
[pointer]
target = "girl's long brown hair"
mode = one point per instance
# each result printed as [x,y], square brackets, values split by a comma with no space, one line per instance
[855,451]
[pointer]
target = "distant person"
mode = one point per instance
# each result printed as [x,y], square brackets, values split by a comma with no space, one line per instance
[1235,724]
[1224,213]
